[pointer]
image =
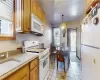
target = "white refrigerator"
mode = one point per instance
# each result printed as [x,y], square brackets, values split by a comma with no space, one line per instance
[90,46]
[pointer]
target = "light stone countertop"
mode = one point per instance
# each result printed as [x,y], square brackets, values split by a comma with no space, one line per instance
[9,67]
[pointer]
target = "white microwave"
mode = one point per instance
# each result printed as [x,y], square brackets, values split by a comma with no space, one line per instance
[36,25]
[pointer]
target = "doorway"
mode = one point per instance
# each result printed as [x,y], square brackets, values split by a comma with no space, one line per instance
[71,39]
[72,42]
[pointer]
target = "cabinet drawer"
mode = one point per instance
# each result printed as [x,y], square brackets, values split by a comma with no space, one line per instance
[33,63]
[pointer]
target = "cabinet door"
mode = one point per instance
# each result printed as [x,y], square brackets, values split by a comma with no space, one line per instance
[19,15]
[23,15]
[33,6]
[88,3]
[34,74]
[26,16]
[92,0]
[39,12]
[41,15]
[26,78]
[21,74]
[44,18]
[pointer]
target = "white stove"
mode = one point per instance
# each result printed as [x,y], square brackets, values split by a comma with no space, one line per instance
[33,47]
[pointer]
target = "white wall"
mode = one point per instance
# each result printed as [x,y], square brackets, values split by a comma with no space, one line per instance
[13,45]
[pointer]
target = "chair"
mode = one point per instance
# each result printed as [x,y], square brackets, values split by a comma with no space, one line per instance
[60,58]
[53,52]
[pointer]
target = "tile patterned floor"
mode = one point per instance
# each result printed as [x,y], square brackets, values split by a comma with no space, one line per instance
[73,73]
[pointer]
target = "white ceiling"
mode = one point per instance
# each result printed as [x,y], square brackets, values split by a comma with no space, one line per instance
[71,9]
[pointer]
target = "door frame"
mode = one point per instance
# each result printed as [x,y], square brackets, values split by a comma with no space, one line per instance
[68,37]
[80,44]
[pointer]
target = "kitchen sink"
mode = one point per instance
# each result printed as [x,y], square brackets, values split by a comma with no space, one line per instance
[9,60]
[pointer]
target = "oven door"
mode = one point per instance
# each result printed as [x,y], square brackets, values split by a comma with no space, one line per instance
[44,67]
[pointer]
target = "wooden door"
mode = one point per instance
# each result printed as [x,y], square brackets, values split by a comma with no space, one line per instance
[34,74]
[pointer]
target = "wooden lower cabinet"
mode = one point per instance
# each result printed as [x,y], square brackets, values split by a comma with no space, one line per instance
[34,69]
[21,74]
[27,72]
[34,74]
[25,78]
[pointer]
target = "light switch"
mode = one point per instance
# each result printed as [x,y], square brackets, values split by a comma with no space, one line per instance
[94,61]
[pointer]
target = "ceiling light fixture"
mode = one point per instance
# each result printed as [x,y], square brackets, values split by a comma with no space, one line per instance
[63,24]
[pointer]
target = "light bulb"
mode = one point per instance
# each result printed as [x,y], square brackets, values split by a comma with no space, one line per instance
[63,26]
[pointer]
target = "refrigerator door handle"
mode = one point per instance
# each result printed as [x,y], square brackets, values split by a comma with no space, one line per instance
[90,46]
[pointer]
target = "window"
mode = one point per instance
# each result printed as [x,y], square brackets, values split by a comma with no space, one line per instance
[56,35]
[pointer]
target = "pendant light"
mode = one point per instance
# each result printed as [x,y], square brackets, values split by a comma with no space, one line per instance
[63,25]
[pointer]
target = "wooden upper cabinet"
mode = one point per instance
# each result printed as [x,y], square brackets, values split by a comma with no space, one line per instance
[23,15]
[24,9]
[26,16]
[37,10]
[88,3]
[7,20]
[33,6]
